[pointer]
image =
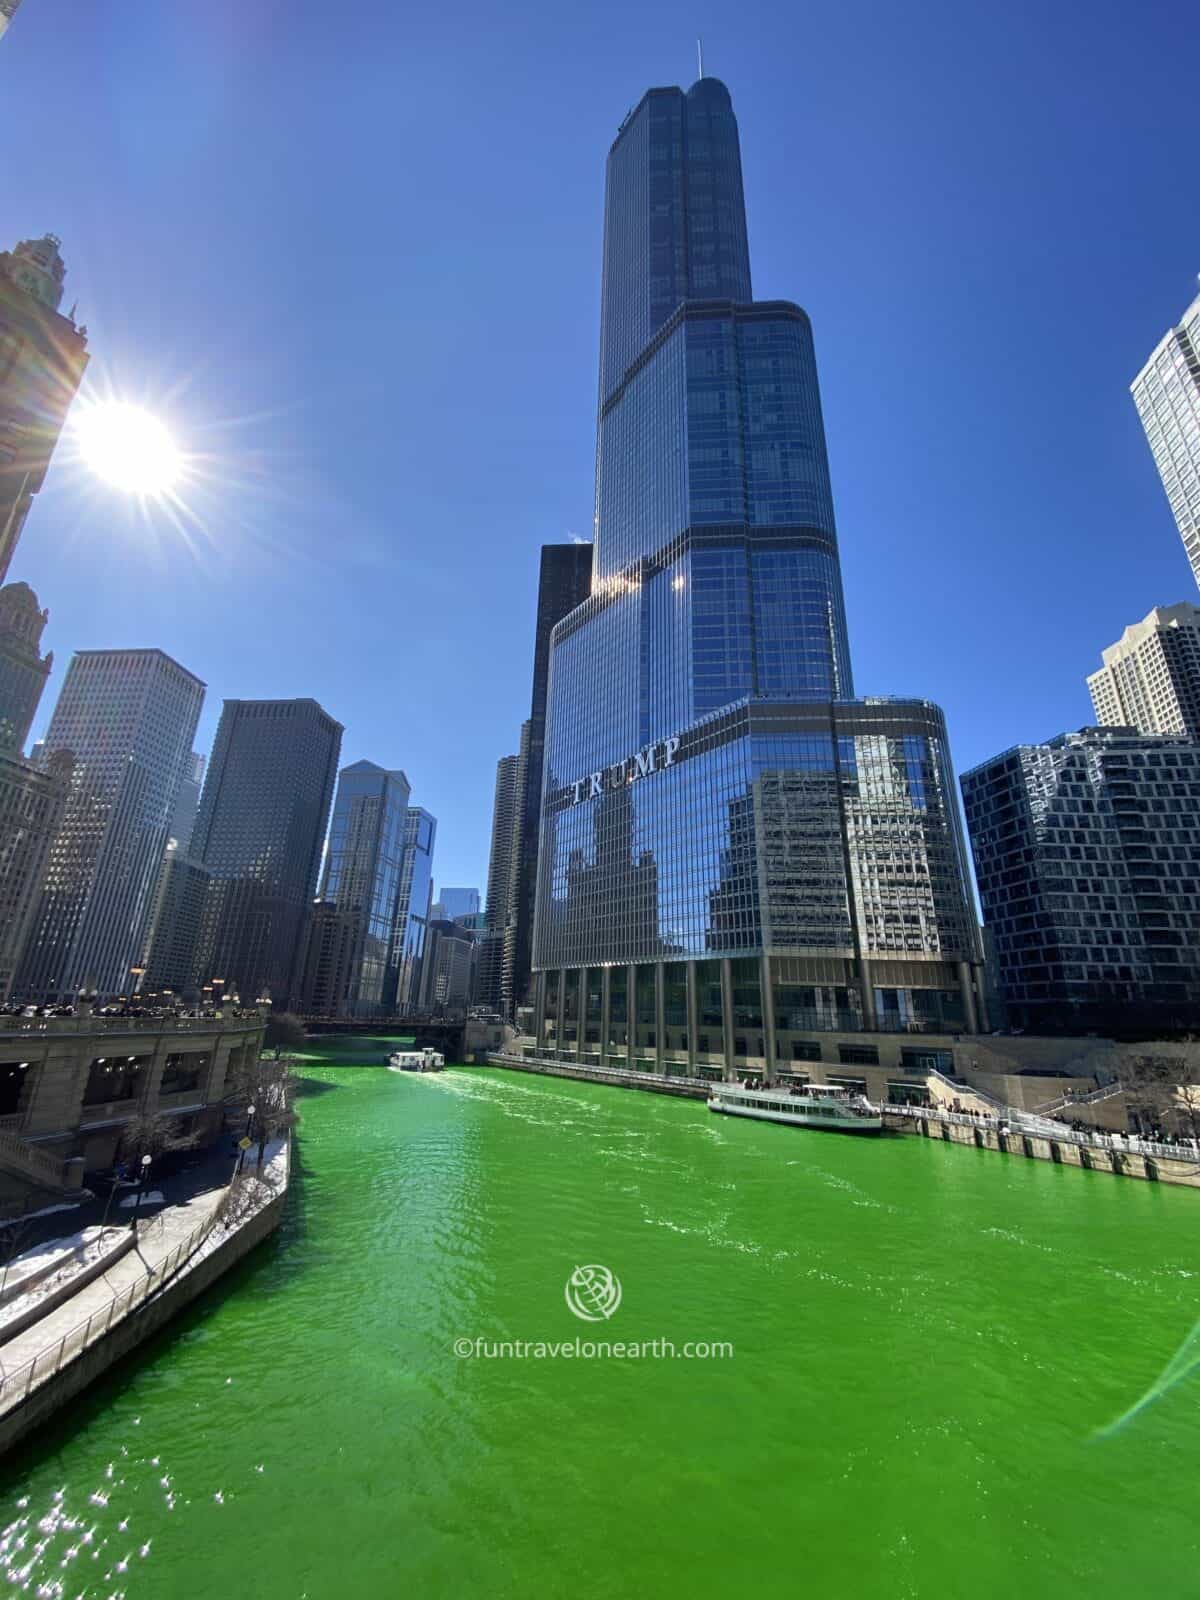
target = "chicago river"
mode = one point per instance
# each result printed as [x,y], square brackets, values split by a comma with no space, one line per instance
[926,1344]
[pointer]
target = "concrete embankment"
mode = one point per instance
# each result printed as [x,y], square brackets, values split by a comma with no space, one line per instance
[175,1260]
[1123,1157]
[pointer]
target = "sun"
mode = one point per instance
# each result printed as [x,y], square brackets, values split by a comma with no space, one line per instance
[128,447]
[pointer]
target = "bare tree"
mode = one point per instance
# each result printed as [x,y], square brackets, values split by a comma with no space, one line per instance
[1168,1087]
[269,1087]
[284,1031]
[150,1134]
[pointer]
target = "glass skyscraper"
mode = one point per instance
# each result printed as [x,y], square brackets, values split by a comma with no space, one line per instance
[1166,393]
[412,917]
[734,850]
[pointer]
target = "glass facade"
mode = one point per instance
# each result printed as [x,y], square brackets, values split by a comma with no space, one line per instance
[720,816]
[412,917]
[1167,395]
[363,870]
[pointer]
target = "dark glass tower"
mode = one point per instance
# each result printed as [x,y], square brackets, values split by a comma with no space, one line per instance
[720,817]
[259,833]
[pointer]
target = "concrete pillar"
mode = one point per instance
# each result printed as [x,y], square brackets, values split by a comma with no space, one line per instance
[727,1015]
[582,1035]
[539,1009]
[768,1016]
[968,997]
[866,986]
[605,1013]
[693,1017]
[660,1017]
[561,1035]
[630,1012]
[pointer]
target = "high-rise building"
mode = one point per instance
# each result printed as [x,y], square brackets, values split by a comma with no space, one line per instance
[564,582]
[500,884]
[447,969]
[1150,679]
[353,970]
[1087,854]
[412,915]
[259,833]
[187,802]
[31,807]
[23,668]
[42,360]
[734,851]
[8,10]
[1166,393]
[457,903]
[175,923]
[128,717]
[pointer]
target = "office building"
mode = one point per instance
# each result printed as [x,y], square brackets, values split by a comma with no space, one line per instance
[31,807]
[500,885]
[1150,679]
[23,668]
[564,582]
[413,912]
[175,923]
[734,851]
[457,903]
[352,968]
[42,359]
[1087,854]
[128,717]
[448,969]
[8,10]
[259,833]
[1166,393]
[187,802]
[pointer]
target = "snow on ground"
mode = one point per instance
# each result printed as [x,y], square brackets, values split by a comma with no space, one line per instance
[150,1198]
[77,1252]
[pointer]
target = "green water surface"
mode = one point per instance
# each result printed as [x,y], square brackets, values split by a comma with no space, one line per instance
[925,1340]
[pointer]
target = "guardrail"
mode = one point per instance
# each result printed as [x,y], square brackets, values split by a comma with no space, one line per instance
[54,1026]
[1017,1122]
[1106,1091]
[15,1386]
[15,1151]
[617,1074]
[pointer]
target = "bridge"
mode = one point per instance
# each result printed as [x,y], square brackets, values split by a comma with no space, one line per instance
[433,1033]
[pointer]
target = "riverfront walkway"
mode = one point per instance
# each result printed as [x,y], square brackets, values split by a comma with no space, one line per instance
[172,1241]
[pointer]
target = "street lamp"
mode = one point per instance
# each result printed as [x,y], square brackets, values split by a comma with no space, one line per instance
[242,1148]
[143,1172]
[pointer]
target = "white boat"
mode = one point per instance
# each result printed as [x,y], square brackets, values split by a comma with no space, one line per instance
[805,1105]
[416,1061]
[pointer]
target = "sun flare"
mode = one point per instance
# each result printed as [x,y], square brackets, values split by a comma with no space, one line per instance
[128,447]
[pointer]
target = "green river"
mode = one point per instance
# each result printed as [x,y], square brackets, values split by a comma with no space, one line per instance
[926,1341]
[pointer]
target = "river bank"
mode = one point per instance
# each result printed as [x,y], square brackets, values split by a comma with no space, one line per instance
[925,1349]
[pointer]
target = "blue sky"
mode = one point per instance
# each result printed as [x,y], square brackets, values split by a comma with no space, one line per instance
[352,253]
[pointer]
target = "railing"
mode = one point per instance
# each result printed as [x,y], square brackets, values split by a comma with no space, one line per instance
[1106,1091]
[621,1074]
[966,1088]
[1019,1122]
[32,1162]
[15,1386]
[53,1026]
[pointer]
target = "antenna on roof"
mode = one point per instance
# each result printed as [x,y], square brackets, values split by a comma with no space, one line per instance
[700,55]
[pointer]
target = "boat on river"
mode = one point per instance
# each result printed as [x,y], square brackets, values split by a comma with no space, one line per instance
[416,1061]
[825,1106]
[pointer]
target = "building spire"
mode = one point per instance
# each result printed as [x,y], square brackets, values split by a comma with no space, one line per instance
[700,56]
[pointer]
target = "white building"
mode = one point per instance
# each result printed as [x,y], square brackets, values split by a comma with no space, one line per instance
[1150,679]
[1167,395]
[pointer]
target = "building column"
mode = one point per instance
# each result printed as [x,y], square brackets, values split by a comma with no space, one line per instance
[968,997]
[727,1015]
[581,1040]
[693,1017]
[560,1038]
[979,973]
[605,1013]
[539,1010]
[630,1013]
[660,1018]
[866,987]
[768,1016]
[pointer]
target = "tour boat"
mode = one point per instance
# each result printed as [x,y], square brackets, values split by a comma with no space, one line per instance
[417,1061]
[827,1106]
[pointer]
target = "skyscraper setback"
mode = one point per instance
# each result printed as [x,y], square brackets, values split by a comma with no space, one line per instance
[733,848]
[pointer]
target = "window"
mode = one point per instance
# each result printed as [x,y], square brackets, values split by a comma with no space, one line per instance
[858,1055]
[805,1050]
